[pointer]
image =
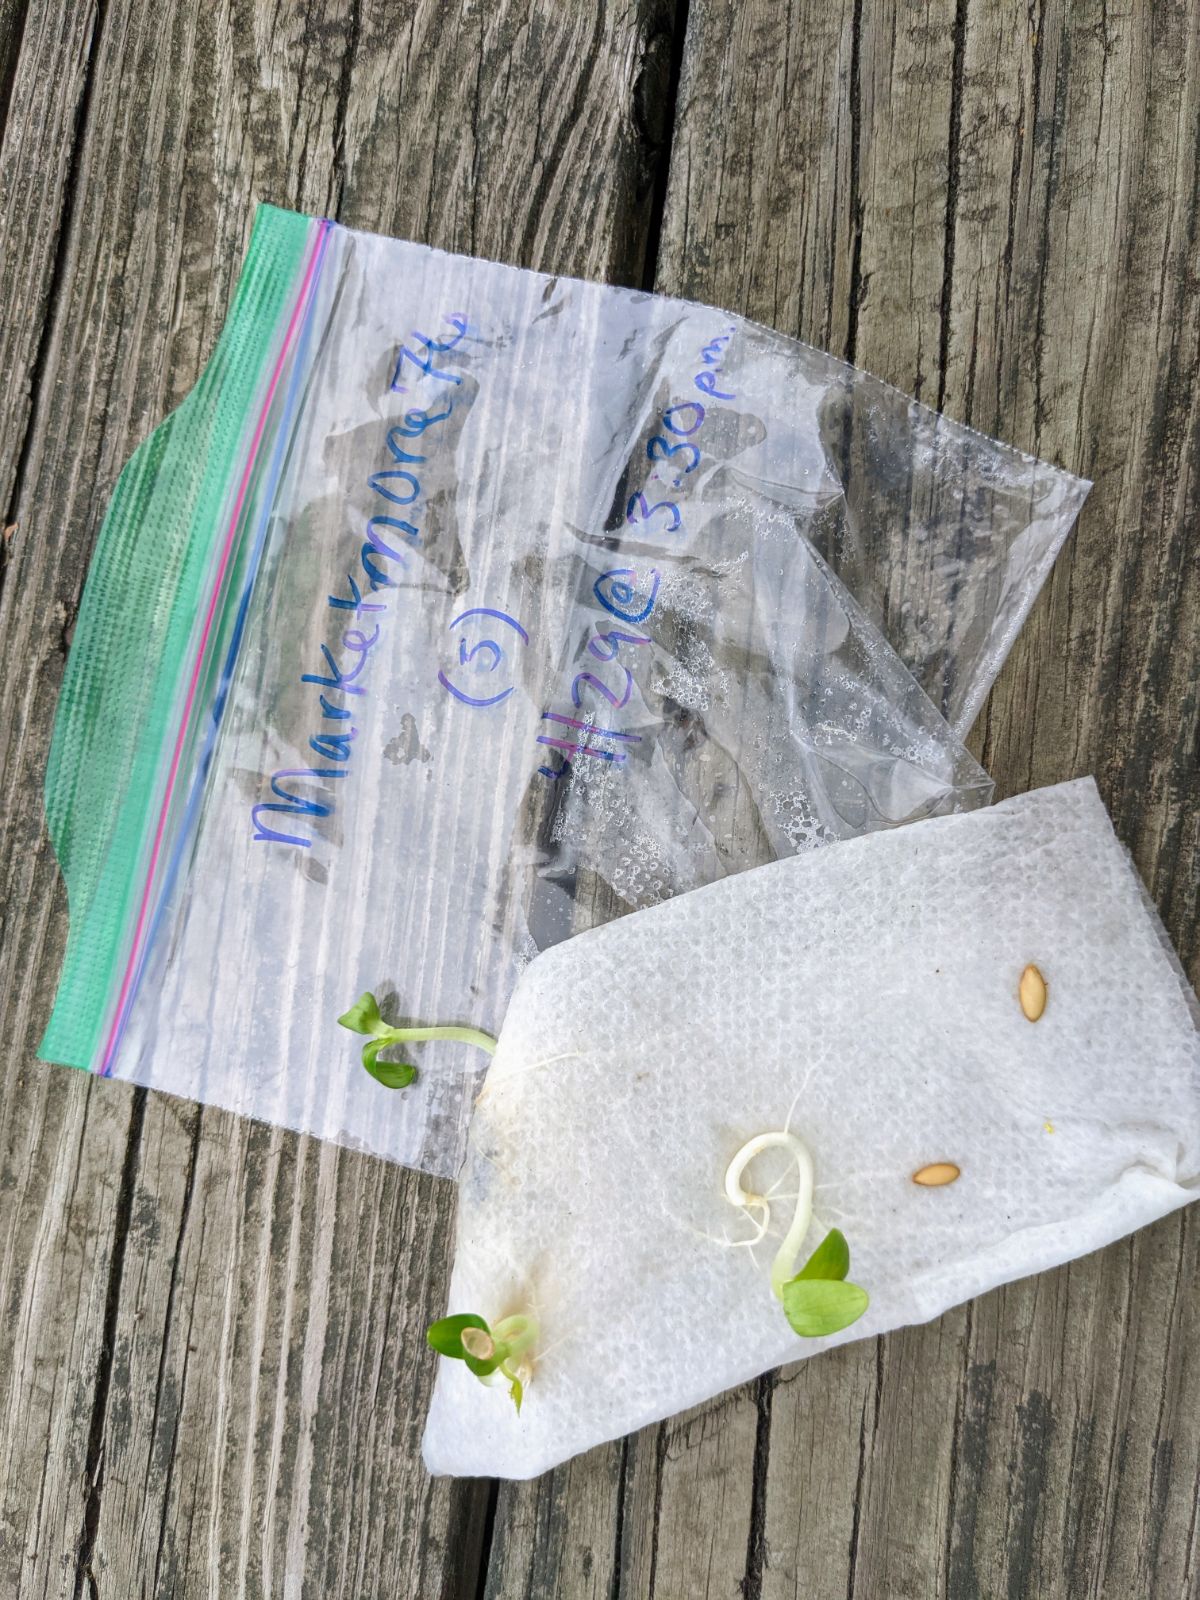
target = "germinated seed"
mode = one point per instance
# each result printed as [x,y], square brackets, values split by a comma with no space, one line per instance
[936,1174]
[1032,993]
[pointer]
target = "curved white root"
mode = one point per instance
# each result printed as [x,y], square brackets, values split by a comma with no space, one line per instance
[489,1087]
[543,1355]
[785,1258]
[724,1242]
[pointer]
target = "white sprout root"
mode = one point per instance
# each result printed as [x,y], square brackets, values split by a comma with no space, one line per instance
[783,1266]
[490,1087]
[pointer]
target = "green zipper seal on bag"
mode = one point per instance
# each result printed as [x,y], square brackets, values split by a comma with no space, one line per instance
[149,579]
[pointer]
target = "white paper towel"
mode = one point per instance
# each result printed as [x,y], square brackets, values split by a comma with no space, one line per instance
[869,991]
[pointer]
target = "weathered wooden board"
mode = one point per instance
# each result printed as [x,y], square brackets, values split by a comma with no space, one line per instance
[210,1379]
[993,206]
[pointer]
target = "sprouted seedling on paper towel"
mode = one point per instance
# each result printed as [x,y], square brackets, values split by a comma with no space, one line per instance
[363,1017]
[816,1300]
[503,1352]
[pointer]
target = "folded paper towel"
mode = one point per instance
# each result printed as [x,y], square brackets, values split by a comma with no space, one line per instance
[866,996]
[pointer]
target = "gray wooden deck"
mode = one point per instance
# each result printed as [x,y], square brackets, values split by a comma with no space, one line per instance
[211,1379]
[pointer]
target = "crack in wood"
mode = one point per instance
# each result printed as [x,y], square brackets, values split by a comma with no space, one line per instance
[54,300]
[12,34]
[953,140]
[855,203]
[185,1211]
[659,133]
[94,1463]
[756,1540]
[341,110]
[618,1561]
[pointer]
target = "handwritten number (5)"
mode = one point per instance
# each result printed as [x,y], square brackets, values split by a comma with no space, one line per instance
[466,656]
[646,511]
[586,677]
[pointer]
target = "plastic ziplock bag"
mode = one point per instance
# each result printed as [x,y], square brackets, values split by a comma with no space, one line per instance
[459,607]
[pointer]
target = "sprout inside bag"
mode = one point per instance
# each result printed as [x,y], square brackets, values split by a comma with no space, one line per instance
[460,607]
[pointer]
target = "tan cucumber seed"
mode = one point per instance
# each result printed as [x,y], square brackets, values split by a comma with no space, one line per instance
[1032,992]
[937,1174]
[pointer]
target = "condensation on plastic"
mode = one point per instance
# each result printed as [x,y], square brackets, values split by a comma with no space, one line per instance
[661,595]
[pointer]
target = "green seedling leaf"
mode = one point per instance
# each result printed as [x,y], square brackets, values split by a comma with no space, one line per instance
[452,1337]
[481,1369]
[392,1074]
[816,1306]
[363,1016]
[830,1261]
[445,1336]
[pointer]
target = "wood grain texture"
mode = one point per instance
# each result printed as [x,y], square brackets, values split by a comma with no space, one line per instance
[209,1331]
[212,1374]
